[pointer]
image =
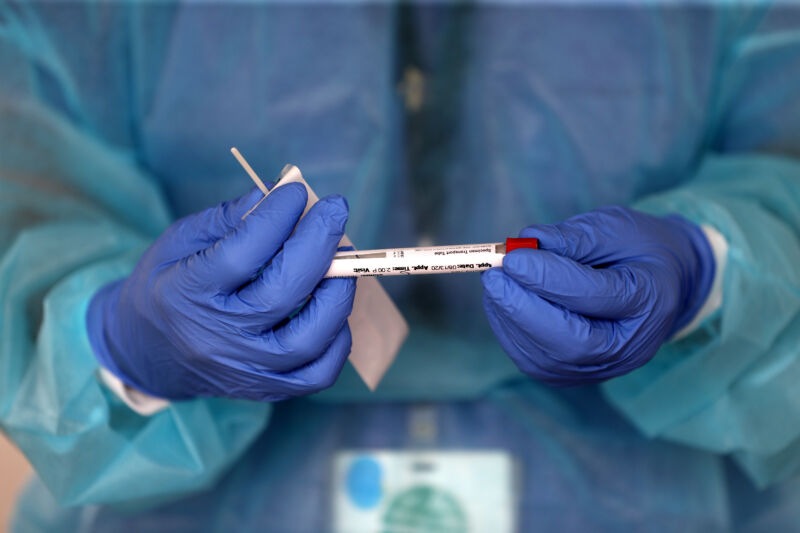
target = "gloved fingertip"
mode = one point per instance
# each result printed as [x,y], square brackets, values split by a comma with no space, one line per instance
[536,231]
[292,197]
[335,209]
[293,188]
[549,236]
[337,203]
[493,282]
[351,291]
[515,262]
[344,287]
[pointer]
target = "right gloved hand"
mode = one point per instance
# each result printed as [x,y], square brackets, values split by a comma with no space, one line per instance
[208,310]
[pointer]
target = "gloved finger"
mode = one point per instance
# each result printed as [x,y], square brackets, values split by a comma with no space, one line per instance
[518,345]
[220,220]
[320,373]
[299,266]
[589,238]
[565,336]
[306,336]
[235,259]
[536,362]
[597,292]
[197,231]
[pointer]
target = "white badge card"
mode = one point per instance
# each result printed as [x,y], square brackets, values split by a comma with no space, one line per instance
[376,491]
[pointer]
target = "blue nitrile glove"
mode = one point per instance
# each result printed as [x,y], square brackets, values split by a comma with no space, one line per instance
[199,317]
[600,296]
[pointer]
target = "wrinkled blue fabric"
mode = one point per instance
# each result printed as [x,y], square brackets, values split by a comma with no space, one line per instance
[439,123]
[600,296]
[564,451]
[204,313]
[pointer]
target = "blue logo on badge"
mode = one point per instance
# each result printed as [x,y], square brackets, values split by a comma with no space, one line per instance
[364,482]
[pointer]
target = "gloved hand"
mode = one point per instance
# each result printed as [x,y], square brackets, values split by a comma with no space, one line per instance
[600,296]
[199,317]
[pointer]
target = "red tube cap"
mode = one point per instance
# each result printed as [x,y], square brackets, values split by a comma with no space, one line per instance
[513,244]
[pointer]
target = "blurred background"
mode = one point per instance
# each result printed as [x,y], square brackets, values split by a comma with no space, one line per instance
[14,471]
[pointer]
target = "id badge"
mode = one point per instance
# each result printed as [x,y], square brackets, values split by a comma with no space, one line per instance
[384,491]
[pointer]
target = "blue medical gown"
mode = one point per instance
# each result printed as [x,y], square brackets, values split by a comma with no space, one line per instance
[440,123]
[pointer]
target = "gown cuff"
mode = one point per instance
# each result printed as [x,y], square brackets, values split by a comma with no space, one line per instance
[142,403]
[719,248]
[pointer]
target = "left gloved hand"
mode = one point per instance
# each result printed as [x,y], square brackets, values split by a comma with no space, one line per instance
[224,307]
[600,296]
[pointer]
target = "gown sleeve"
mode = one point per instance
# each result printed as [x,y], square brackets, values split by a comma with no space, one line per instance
[731,386]
[76,211]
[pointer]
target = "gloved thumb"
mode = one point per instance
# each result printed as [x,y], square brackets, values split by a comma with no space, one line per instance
[610,293]
[590,238]
[238,257]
